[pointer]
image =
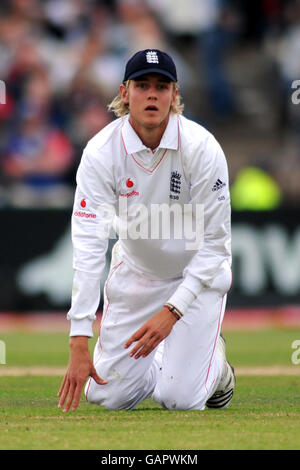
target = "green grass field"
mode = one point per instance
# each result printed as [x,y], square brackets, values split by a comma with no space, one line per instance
[264,414]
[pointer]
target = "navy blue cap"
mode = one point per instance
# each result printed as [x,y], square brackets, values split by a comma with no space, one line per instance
[150,61]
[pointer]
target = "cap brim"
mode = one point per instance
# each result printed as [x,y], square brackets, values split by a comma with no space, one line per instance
[151,70]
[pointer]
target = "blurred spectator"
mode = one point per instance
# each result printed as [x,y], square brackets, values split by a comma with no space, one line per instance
[84,112]
[215,38]
[140,26]
[36,155]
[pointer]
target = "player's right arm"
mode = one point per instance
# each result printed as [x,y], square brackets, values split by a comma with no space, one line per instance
[94,188]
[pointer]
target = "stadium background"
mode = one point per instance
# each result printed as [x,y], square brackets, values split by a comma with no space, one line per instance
[62,62]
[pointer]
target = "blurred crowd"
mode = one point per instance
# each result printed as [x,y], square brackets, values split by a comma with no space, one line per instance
[62,62]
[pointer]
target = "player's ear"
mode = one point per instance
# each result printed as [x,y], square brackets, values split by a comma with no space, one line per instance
[175,94]
[124,91]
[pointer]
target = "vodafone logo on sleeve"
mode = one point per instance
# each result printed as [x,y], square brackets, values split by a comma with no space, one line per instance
[84,214]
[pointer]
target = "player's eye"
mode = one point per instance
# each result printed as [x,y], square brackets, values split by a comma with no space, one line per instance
[164,86]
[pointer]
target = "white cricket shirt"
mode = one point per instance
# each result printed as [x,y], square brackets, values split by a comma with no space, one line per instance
[187,171]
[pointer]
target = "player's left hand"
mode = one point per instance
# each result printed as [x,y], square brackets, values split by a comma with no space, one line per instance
[151,333]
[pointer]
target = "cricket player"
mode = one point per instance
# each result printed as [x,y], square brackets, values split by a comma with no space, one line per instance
[160,182]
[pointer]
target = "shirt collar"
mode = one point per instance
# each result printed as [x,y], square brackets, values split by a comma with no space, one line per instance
[170,139]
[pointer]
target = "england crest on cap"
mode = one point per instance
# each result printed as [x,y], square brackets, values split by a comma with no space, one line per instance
[151,57]
[150,61]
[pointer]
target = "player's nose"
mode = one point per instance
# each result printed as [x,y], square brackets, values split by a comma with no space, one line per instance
[152,93]
[152,98]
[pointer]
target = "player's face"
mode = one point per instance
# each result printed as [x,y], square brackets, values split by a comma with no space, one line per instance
[150,98]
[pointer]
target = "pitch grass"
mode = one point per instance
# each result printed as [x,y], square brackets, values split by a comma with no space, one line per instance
[264,414]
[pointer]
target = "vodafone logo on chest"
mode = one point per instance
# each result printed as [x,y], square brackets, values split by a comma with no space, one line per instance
[129,183]
[128,187]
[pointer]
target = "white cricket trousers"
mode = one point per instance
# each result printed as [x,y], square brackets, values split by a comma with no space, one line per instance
[184,370]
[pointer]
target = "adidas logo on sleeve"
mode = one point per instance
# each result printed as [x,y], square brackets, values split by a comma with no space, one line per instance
[218,185]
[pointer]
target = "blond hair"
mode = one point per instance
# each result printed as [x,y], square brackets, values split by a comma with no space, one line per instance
[119,108]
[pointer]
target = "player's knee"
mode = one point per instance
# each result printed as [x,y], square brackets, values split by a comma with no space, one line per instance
[174,401]
[172,398]
[116,403]
[112,398]
[179,397]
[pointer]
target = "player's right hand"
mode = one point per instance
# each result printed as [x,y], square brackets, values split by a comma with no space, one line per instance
[80,367]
